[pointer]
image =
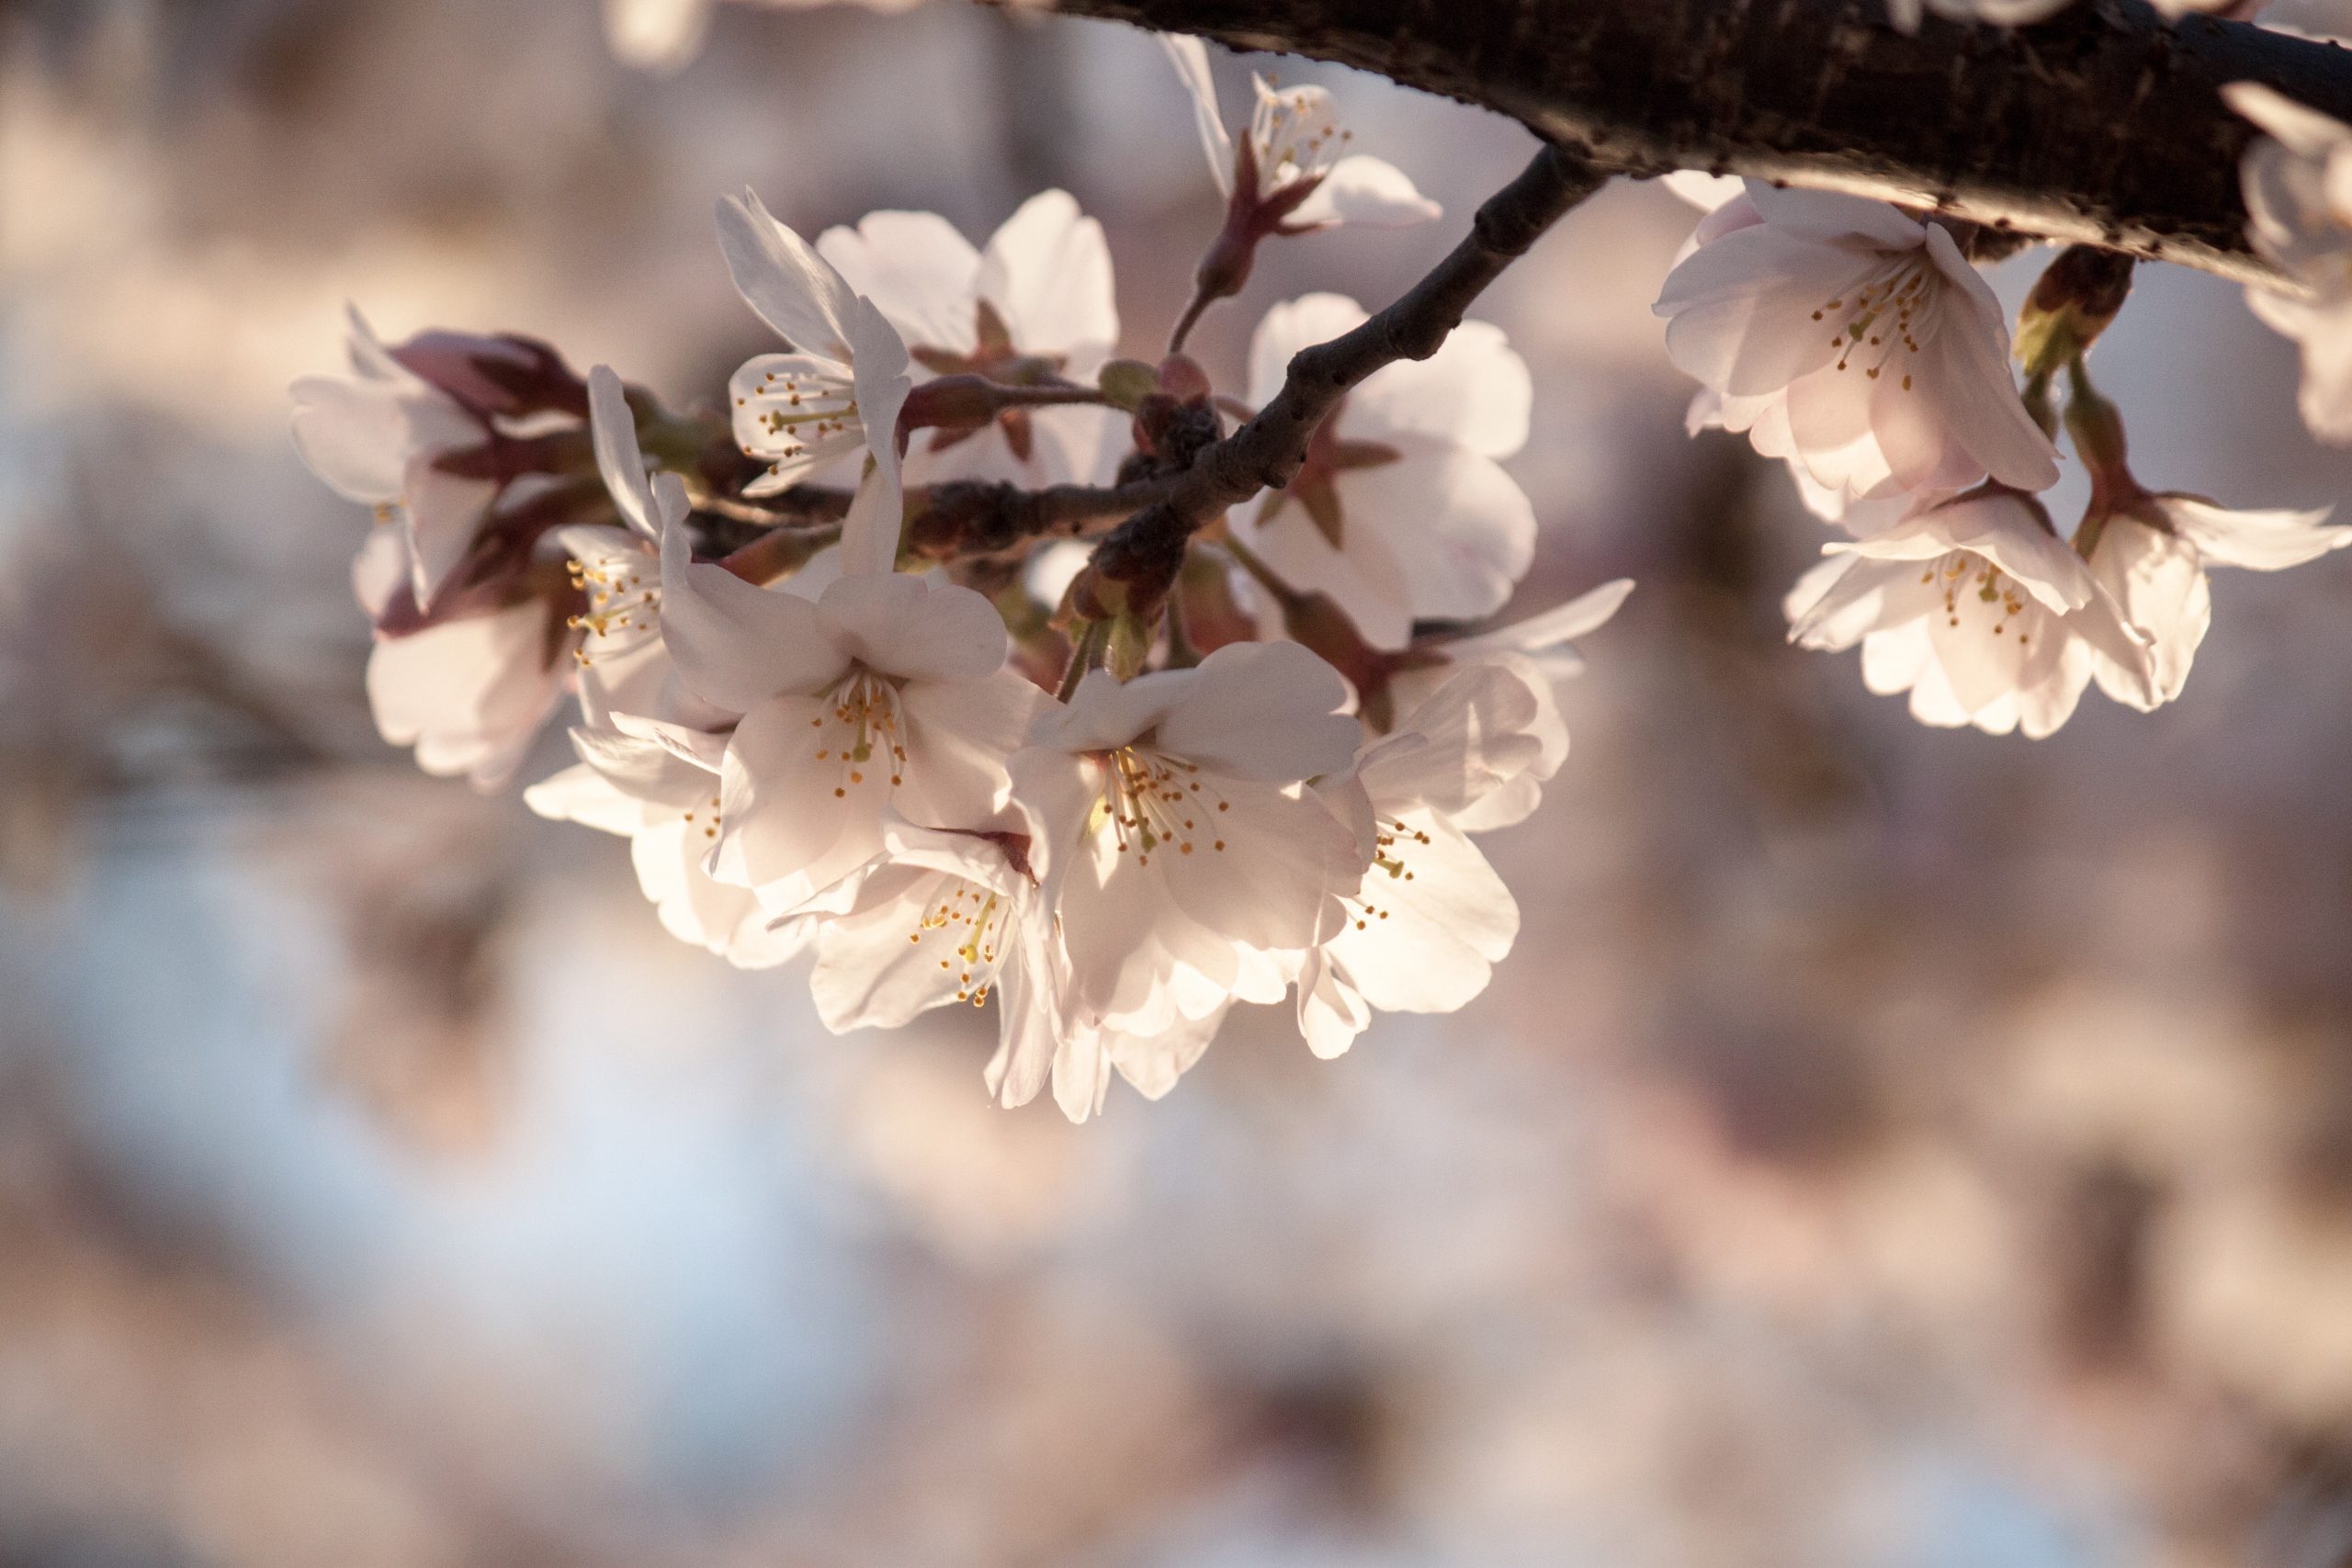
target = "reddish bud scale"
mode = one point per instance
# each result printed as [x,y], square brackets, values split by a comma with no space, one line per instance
[494,376]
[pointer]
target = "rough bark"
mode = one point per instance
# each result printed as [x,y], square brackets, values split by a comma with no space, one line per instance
[2101,126]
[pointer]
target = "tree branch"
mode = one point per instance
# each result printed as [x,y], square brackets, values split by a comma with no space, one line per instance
[2102,125]
[974,517]
[1148,549]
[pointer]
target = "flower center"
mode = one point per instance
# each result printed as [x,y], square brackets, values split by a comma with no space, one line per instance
[1396,840]
[1969,581]
[972,920]
[623,610]
[1297,135]
[861,726]
[1149,802]
[708,816]
[1884,316]
[798,409]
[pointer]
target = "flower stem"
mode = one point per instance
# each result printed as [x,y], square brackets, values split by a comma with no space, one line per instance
[1084,655]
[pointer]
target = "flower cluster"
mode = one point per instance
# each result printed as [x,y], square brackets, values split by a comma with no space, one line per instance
[939,788]
[1858,343]
[840,677]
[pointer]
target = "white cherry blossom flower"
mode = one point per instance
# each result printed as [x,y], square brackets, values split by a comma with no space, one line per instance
[2152,551]
[885,692]
[1401,511]
[470,694]
[1538,652]
[1175,840]
[1855,341]
[1293,169]
[958,917]
[1150,1061]
[942,917]
[650,751]
[1035,306]
[624,666]
[1544,637]
[2298,182]
[838,390]
[1975,607]
[378,436]
[657,785]
[1423,928]
[1771,436]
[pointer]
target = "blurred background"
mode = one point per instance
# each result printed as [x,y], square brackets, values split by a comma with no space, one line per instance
[1886,1147]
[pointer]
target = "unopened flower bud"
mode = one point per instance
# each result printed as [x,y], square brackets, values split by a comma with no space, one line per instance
[501,376]
[1127,382]
[951,403]
[1133,568]
[1181,377]
[2075,298]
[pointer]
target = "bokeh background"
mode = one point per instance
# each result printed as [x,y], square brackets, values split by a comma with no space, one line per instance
[1886,1147]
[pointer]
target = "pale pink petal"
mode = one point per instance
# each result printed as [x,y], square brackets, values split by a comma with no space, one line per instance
[916,268]
[1368,192]
[1262,711]
[1459,528]
[2260,541]
[785,281]
[1474,392]
[1289,327]
[1190,57]
[900,624]
[1047,271]
[736,645]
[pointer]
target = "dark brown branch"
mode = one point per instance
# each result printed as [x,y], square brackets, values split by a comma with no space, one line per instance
[2103,125]
[1266,452]
[1148,549]
[972,517]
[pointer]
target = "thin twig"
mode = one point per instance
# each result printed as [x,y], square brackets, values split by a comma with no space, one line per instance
[1266,452]
[802,506]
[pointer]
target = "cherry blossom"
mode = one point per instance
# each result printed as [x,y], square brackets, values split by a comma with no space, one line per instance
[1174,838]
[1423,928]
[883,692]
[470,686]
[470,694]
[650,751]
[1537,651]
[839,388]
[1292,170]
[1856,341]
[1151,1060]
[2151,552]
[658,786]
[942,917]
[379,436]
[1035,306]
[1975,607]
[2296,181]
[624,665]
[1401,512]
